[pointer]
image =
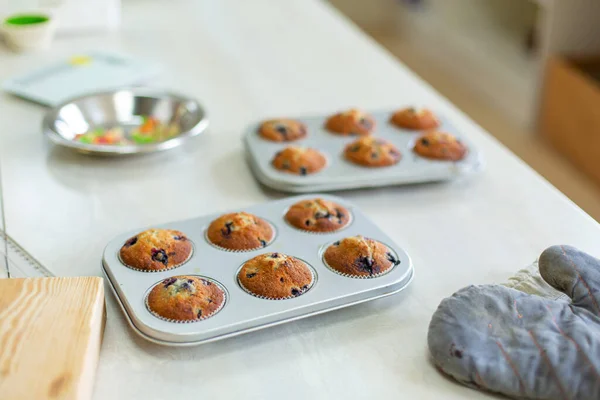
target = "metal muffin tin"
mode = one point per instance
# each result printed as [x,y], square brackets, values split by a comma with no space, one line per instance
[243,312]
[340,174]
[124,108]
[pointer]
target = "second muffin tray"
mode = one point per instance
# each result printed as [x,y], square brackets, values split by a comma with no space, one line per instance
[243,312]
[340,174]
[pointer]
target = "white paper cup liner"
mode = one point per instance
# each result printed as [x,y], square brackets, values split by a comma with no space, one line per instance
[150,271]
[310,286]
[187,321]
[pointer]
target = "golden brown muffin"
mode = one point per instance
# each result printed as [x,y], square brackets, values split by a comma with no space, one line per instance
[275,276]
[282,130]
[415,119]
[185,298]
[440,146]
[156,250]
[358,256]
[240,231]
[372,152]
[318,215]
[299,160]
[351,122]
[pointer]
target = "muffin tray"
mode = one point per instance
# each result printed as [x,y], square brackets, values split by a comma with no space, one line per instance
[243,312]
[340,174]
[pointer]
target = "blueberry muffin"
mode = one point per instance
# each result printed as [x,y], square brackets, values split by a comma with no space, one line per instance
[351,122]
[156,250]
[240,231]
[282,130]
[318,215]
[185,298]
[275,276]
[372,152]
[440,146]
[299,160]
[358,256]
[415,119]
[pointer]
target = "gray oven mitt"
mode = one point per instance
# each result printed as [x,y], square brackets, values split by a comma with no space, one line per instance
[503,340]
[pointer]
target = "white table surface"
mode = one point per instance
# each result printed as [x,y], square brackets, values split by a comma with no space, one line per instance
[247,60]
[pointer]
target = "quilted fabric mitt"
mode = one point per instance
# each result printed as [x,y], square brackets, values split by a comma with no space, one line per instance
[502,340]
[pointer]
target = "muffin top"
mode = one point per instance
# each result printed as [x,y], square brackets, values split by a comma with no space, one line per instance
[275,276]
[359,256]
[440,146]
[351,122]
[156,250]
[415,119]
[318,215]
[185,298]
[282,130]
[372,152]
[240,231]
[299,160]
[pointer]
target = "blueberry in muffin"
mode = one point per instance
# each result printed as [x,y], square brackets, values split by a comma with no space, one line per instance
[351,122]
[318,215]
[415,119]
[372,152]
[275,276]
[185,298]
[240,231]
[358,256]
[156,250]
[440,146]
[299,160]
[282,130]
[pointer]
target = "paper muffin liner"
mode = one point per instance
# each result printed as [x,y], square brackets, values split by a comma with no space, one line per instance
[216,246]
[188,321]
[387,271]
[310,286]
[157,270]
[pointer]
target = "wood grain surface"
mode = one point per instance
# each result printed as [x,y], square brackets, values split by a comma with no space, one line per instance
[50,335]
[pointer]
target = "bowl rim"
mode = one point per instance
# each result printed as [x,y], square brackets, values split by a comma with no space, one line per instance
[178,140]
[7,25]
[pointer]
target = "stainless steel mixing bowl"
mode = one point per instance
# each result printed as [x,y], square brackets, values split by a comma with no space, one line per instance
[124,108]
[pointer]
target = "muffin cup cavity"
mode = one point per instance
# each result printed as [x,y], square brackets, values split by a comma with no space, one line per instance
[248,291]
[189,321]
[387,271]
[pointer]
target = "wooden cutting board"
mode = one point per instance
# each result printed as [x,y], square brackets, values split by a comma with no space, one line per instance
[50,335]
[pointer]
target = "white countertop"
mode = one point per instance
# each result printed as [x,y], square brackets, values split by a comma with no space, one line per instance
[246,60]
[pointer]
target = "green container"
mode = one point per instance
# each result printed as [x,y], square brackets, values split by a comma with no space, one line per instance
[26,19]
